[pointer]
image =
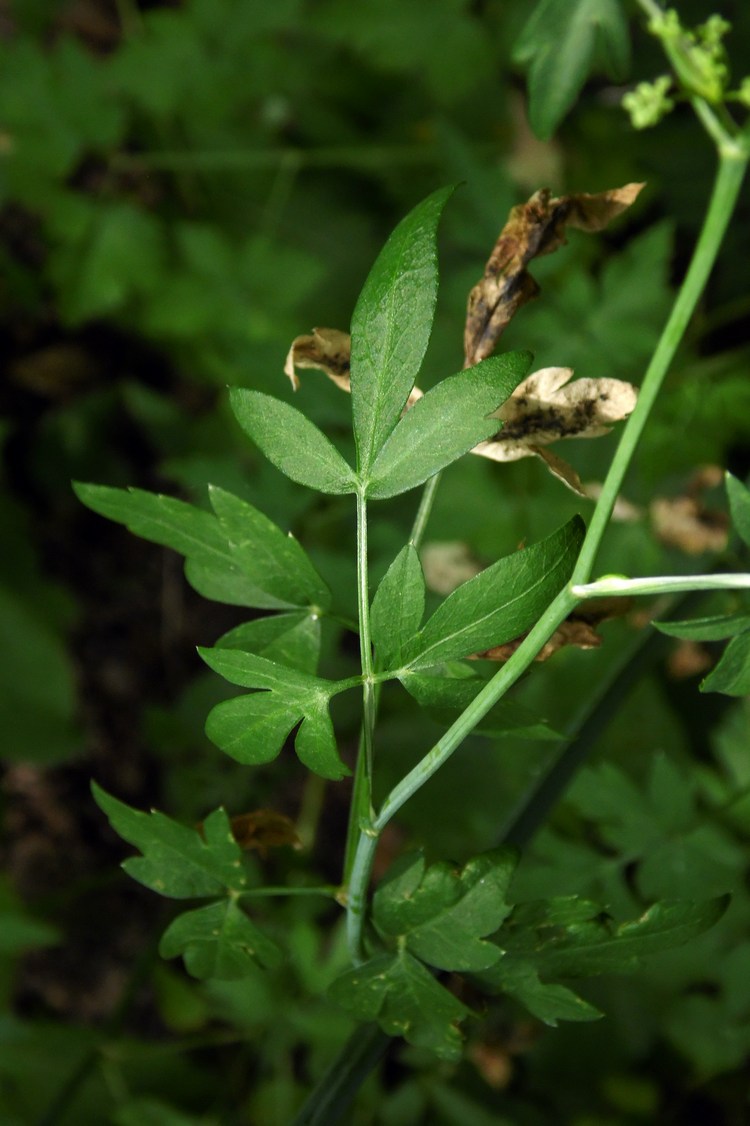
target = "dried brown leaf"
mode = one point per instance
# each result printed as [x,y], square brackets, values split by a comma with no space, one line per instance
[546,408]
[263,829]
[533,229]
[327,349]
[578,630]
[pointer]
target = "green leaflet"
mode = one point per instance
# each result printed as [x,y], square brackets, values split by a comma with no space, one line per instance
[253,728]
[398,606]
[732,674]
[405,999]
[716,628]
[446,423]
[498,604]
[177,861]
[237,556]
[562,43]
[391,326]
[272,559]
[548,1002]
[442,914]
[540,937]
[444,697]
[739,507]
[291,639]
[218,941]
[291,442]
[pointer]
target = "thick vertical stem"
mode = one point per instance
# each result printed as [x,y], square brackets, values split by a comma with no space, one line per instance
[361,814]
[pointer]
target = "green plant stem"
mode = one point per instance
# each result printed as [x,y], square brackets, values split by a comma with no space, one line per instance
[721,206]
[333,1095]
[424,510]
[616,585]
[360,815]
[353,832]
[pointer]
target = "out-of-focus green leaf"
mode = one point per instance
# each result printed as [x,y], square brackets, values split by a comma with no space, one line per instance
[218,941]
[732,674]
[739,507]
[715,628]
[562,43]
[443,913]
[406,1000]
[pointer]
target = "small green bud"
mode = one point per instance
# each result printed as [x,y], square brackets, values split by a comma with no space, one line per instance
[648,103]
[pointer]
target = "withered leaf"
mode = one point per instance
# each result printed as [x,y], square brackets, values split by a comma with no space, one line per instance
[578,630]
[263,829]
[327,349]
[543,409]
[533,229]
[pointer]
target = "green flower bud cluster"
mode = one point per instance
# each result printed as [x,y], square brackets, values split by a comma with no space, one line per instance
[649,102]
[698,56]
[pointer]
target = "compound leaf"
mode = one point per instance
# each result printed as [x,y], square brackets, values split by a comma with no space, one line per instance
[499,603]
[218,941]
[391,325]
[291,442]
[177,861]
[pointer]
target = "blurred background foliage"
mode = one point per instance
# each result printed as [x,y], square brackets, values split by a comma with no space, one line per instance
[185,187]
